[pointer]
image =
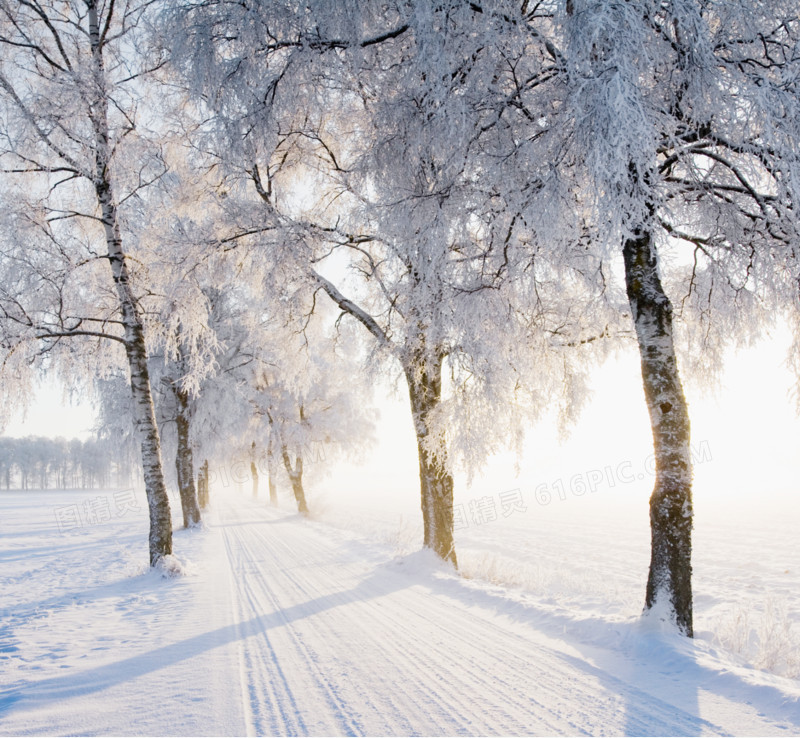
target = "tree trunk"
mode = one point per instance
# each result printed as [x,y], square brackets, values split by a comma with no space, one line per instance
[254,470]
[271,473]
[202,486]
[254,475]
[184,464]
[436,483]
[670,577]
[296,478]
[160,540]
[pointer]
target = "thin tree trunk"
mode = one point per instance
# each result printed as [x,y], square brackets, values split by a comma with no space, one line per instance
[202,485]
[254,470]
[436,483]
[184,463]
[296,478]
[670,577]
[144,418]
[254,475]
[160,540]
[272,472]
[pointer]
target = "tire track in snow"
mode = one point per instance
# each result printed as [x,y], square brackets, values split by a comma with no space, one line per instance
[282,706]
[247,667]
[262,599]
[472,669]
[419,663]
[244,681]
[359,646]
[390,706]
[434,658]
[285,580]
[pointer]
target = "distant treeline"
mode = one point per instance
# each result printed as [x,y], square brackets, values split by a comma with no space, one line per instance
[35,462]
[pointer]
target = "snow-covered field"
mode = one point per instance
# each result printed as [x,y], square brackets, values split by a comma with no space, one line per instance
[340,625]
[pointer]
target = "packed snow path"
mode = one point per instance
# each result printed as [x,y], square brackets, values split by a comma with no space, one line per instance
[333,644]
[287,626]
[334,640]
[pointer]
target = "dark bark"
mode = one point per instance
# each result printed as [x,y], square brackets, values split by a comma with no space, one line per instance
[296,478]
[671,512]
[184,464]
[436,483]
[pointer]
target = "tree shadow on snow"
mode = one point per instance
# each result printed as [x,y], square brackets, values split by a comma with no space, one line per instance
[34,695]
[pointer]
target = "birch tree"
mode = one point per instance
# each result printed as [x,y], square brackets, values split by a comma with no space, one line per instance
[70,83]
[446,252]
[684,114]
[279,385]
[176,406]
[382,110]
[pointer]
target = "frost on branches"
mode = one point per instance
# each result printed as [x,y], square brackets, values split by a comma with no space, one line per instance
[69,90]
[394,119]
[476,199]
[685,116]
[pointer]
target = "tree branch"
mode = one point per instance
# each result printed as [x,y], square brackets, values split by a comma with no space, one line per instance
[349,307]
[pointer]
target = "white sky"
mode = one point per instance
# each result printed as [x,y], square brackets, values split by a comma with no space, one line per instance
[52,414]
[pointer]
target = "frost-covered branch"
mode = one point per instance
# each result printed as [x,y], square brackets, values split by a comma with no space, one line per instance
[351,308]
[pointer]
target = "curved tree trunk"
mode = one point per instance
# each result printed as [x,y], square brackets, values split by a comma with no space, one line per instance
[296,478]
[436,483]
[670,576]
[184,464]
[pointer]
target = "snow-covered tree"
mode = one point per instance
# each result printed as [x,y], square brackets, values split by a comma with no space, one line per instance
[70,86]
[368,132]
[682,120]
[45,463]
[279,387]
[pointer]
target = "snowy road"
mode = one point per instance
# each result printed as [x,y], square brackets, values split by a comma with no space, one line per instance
[288,626]
[336,639]
[333,645]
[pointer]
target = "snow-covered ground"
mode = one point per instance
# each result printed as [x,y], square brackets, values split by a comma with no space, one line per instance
[340,625]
